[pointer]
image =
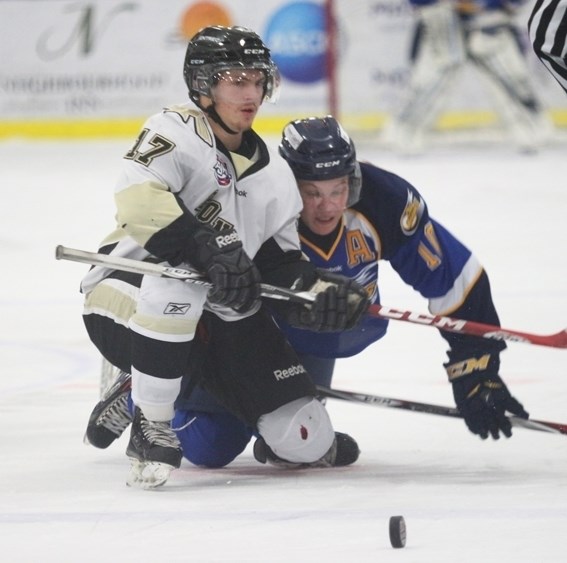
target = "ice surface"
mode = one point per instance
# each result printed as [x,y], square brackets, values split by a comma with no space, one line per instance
[464,500]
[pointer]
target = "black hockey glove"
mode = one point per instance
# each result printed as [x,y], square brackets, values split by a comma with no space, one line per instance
[339,305]
[235,279]
[482,397]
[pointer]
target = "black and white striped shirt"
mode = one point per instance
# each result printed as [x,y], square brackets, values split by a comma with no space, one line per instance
[548,33]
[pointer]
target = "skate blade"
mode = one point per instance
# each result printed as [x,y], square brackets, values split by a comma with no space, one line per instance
[148,474]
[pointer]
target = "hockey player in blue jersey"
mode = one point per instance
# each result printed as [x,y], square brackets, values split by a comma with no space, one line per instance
[355,215]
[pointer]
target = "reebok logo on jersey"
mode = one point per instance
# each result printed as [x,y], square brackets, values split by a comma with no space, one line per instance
[225,240]
[289,372]
[177,308]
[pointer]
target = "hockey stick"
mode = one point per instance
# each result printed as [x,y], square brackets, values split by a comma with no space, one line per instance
[558,340]
[149,268]
[376,400]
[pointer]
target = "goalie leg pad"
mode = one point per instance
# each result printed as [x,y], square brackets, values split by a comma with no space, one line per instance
[299,431]
[441,34]
[439,55]
[497,54]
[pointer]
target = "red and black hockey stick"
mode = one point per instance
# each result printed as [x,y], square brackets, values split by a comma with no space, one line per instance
[557,340]
[376,400]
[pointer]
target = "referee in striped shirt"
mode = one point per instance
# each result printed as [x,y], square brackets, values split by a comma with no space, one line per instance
[548,33]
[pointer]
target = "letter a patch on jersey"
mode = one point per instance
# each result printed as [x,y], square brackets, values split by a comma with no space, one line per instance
[358,250]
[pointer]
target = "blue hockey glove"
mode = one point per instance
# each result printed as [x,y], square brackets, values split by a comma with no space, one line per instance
[482,397]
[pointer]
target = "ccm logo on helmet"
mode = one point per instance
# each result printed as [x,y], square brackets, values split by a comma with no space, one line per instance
[225,240]
[290,372]
[254,51]
[327,164]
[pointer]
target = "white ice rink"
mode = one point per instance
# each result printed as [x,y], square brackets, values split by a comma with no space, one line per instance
[464,500]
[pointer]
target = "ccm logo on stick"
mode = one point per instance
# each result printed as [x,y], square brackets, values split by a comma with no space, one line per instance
[439,322]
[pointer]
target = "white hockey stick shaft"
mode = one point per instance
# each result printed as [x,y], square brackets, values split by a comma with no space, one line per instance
[149,268]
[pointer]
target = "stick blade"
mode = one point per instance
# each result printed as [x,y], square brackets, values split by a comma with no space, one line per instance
[561,339]
[539,425]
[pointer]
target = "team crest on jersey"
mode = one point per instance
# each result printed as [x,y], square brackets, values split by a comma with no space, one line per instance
[222,173]
[412,214]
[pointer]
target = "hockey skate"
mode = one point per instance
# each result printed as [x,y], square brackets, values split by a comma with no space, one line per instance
[344,451]
[111,415]
[154,451]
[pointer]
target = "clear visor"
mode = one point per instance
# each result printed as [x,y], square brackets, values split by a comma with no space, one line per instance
[266,74]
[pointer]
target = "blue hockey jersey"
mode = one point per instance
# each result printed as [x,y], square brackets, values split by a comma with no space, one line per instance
[391,222]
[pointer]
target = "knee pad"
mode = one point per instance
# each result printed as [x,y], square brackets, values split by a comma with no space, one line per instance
[299,431]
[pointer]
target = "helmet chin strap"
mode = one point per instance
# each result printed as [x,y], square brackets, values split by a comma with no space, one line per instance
[212,113]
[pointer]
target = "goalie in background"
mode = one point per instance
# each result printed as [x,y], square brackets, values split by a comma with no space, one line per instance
[354,216]
[448,35]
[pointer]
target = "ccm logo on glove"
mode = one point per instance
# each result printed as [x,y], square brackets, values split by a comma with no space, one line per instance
[468,366]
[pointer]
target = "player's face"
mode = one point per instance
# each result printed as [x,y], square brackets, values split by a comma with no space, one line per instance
[323,203]
[238,95]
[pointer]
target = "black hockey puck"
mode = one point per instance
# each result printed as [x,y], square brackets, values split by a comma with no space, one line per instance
[397,531]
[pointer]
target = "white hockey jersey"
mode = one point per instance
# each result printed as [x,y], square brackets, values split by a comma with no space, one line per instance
[175,168]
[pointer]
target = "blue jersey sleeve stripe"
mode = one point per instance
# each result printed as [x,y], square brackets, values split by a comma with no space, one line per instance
[456,296]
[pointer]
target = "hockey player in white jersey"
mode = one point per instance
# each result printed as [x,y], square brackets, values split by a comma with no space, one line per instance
[200,188]
[448,35]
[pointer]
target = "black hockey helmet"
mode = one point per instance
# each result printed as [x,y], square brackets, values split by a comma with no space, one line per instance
[217,48]
[318,148]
